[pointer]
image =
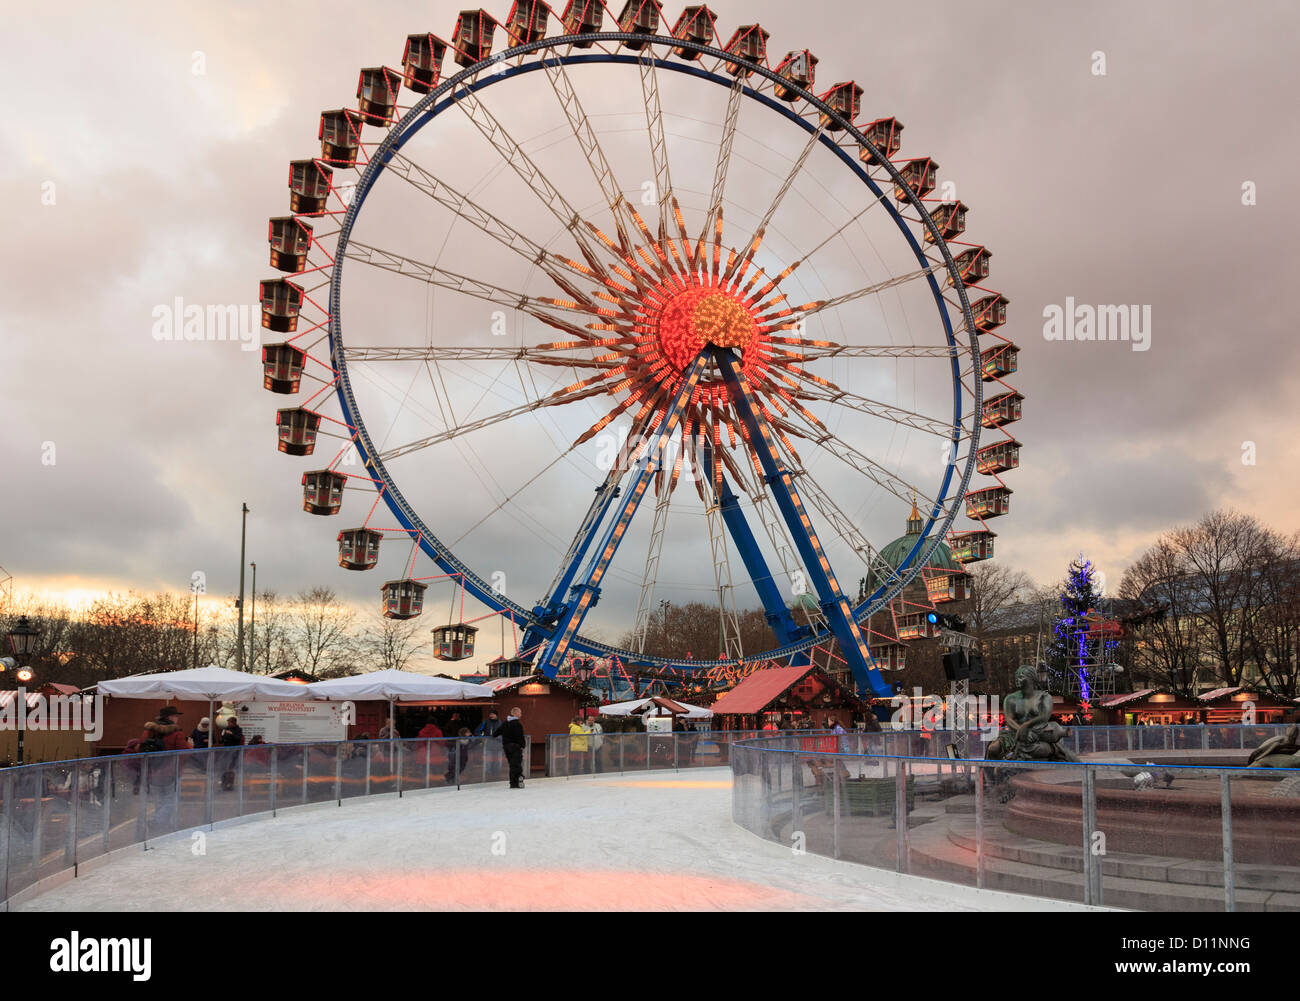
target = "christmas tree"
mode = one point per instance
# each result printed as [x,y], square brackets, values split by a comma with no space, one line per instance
[1081,645]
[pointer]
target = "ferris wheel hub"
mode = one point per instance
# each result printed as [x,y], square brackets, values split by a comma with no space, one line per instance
[693,319]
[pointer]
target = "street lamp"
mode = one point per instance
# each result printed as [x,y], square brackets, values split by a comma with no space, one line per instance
[22,638]
[22,641]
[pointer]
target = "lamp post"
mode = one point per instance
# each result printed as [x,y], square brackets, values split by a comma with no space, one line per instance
[252,623]
[583,669]
[239,639]
[22,641]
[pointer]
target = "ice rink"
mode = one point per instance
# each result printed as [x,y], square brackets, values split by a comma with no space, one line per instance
[658,841]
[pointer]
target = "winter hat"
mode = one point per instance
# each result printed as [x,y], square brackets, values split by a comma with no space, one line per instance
[205,723]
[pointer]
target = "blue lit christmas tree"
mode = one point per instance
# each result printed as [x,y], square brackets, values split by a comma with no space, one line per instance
[1084,637]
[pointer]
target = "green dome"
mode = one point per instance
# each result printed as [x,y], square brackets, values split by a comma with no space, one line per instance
[897,551]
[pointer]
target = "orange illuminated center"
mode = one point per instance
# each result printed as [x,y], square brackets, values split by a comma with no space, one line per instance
[698,317]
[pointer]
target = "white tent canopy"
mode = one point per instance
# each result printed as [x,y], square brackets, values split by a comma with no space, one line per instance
[657,706]
[212,683]
[394,685]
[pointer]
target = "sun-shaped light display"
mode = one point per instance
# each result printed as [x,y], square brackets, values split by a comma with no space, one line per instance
[666,302]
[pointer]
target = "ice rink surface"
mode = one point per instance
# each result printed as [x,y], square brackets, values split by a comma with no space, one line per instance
[651,841]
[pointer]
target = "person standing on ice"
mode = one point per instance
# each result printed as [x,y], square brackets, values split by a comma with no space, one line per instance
[512,743]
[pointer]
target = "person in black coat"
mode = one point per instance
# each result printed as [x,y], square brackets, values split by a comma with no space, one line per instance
[512,743]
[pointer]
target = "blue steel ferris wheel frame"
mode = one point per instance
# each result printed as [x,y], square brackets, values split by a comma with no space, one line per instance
[445,95]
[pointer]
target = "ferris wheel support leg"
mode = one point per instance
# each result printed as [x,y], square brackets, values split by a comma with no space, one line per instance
[838,610]
[586,591]
[774,607]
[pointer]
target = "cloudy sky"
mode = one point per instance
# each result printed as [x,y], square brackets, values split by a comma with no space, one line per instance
[1103,149]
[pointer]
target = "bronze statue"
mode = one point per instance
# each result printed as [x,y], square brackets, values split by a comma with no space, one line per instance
[1030,732]
[1278,752]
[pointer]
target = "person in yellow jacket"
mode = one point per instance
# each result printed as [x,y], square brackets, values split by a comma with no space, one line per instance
[577,747]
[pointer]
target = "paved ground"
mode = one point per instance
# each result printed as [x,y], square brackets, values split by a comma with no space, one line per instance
[659,841]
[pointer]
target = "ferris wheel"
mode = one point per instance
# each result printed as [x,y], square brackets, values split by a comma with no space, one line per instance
[765,343]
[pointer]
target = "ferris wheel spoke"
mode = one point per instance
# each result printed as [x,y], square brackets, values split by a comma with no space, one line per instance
[650,573]
[541,308]
[736,269]
[546,354]
[874,471]
[590,146]
[812,350]
[841,524]
[819,305]
[467,209]
[560,397]
[654,121]
[823,389]
[713,217]
[521,163]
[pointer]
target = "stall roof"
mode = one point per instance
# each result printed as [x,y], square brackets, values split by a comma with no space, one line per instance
[1119,700]
[758,689]
[1232,690]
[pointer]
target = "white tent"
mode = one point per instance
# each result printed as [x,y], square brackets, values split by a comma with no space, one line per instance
[657,706]
[216,684]
[209,683]
[393,685]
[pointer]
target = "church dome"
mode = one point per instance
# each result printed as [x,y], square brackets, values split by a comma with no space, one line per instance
[897,551]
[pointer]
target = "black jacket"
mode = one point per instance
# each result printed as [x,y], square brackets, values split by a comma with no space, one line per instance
[511,732]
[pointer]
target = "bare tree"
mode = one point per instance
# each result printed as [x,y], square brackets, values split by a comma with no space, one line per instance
[995,586]
[1220,553]
[389,644]
[321,631]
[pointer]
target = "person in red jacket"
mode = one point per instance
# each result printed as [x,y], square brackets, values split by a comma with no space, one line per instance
[164,733]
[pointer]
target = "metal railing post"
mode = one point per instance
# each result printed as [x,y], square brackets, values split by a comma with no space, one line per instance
[369,748]
[142,822]
[401,762]
[1128,737]
[484,756]
[1205,738]
[835,793]
[275,776]
[647,751]
[979,828]
[176,790]
[6,822]
[622,739]
[676,744]
[456,762]
[428,762]
[338,774]
[239,779]
[109,795]
[796,800]
[70,843]
[1091,861]
[306,767]
[209,809]
[528,757]
[900,813]
[1229,872]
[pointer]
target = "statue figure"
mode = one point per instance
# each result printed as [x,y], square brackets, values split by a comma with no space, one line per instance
[1030,732]
[1278,752]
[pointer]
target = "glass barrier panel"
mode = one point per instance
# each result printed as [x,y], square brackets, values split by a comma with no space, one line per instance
[162,792]
[941,829]
[290,775]
[322,770]
[23,811]
[255,788]
[225,781]
[1264,862]
[58,835]
[1159,836]
[351,769]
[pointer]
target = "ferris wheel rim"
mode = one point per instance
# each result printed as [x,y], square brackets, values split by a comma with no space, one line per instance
[447,93]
